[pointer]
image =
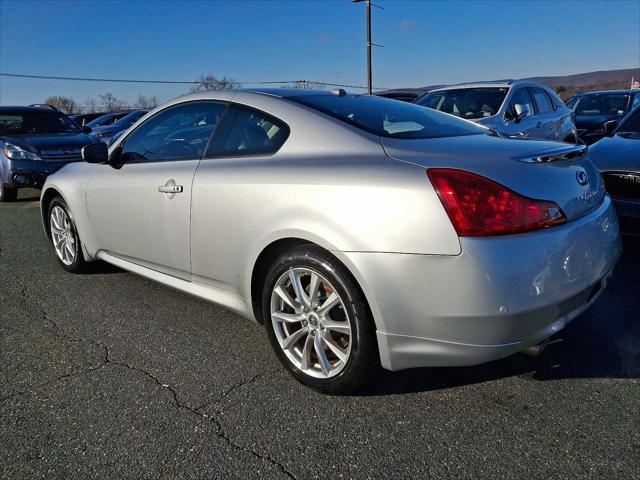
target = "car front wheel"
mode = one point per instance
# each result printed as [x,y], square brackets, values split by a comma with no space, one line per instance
[64,237]
[318,321]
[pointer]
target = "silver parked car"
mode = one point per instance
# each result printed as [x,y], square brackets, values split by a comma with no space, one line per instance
[512,108]
[359,230]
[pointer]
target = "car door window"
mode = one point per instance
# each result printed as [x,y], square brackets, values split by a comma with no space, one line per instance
[636,101]
[522,97]
[177,133]
[247,131]
[543,104]
[631,124]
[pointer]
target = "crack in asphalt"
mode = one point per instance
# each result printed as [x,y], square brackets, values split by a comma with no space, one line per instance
[221,432]
[236,386]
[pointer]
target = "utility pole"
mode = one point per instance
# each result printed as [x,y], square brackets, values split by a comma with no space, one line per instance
[369,43]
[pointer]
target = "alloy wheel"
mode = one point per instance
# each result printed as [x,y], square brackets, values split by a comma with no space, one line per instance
[311,323]
[62,235]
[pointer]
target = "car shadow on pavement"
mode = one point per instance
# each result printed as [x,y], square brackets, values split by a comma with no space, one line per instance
[102,268]
[603,342]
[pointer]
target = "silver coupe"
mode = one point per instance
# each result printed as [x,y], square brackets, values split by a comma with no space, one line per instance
[361,231]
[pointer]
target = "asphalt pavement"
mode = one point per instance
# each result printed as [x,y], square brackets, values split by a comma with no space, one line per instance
[110,376]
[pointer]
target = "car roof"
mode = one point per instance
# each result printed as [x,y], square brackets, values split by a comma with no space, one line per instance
[604,92]
[287,92]
[491,84]
[18,109]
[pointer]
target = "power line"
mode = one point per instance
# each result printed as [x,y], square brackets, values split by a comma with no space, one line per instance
[174,82]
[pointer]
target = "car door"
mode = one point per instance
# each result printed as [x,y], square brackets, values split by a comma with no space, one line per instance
[548,125]
[239,157]
[139,205]
[520,127]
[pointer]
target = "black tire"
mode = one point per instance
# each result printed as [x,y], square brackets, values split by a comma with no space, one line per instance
[78,265]
[363,360]
[8,194]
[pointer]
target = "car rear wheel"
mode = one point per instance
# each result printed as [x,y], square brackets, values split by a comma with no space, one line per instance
[8,194]
[318,321]
[64,237]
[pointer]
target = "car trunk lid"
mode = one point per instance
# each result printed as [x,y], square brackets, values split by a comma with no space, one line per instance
[541,170]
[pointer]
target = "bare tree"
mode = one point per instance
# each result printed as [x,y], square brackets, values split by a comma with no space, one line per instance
[90,105]
[211,82]
[65,104]
[147,103]
[111,103]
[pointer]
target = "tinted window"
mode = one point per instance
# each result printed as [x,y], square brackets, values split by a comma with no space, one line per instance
[632,124]
[246,131]
[521,97]
[556,100]
[543,104]
[636,101]
[389,118]
[601,104]
[130,119]
[106,120]
[179,132]
[35,122]
[466,102]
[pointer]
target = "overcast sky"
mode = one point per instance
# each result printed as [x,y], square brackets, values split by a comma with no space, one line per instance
[425,42]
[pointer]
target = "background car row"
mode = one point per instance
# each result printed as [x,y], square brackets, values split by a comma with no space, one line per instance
[36,141]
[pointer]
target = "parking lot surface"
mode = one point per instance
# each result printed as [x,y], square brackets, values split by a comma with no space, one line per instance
[108,375]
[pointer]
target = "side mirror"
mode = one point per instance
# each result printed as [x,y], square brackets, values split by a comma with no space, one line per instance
[521,111]
[609,127]
[86,129]
[96,153]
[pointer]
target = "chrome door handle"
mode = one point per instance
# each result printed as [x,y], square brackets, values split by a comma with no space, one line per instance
[170,188]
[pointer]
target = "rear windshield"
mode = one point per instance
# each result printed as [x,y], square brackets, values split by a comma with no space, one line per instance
[469,103]
[599,104]
[35,122]
[389,118]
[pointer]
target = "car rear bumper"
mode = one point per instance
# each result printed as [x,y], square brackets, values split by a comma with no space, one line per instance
[497,297]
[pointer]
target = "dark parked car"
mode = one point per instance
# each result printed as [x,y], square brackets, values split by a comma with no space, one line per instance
[403,95]
[617,156]
[34,143]
[593,109]
[106,133]
[107,119]
[83,119]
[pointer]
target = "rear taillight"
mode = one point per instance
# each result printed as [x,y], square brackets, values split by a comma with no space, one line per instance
[480,207]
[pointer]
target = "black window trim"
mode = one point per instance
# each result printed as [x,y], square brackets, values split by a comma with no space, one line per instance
[118,149]
[247,155]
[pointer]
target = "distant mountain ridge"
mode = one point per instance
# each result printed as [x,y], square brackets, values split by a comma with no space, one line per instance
[568,85]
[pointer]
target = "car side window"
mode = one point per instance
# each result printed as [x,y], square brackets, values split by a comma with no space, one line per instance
[636,101]
[522,97]
[247,131]
[543,104]
[631,124]
[178,133]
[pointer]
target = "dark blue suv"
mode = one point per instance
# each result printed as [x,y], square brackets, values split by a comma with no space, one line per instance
[35,142]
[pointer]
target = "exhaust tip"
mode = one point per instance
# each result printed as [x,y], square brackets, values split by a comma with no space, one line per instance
[535,350]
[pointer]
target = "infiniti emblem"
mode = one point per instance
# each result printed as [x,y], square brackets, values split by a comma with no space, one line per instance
[581,177]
